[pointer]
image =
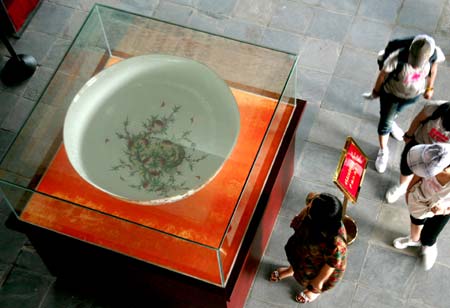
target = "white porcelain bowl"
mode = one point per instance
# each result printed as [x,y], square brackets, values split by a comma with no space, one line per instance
[151,129]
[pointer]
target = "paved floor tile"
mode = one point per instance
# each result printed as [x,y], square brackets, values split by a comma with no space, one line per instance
[8,102]
[6,137]
[430,287]
[388,270]
[369,297]
[308,118]
[356,256]
[38,83]
[4,271]
[213,7]
[365,212]
[312,85]
[375,184]
[282,40]
[329,25]
[368,34]
[282,232]
[86,5]
[281,293]
[23,289]
[56,53]
[292,16]
[17,115]
[243,30]
[342,6]
[258,11]
[203,22]
[332,128]
[257,303]
[142,7]
[60,295]
[36,44]
[345,96]
[392,222]
[29,259]
[428,11]
[51,19]
[442,90]
[383,10]
[320,55]
[319,163]
[173,12]
[352,58]
[339,297]
[443,27]
[76,4]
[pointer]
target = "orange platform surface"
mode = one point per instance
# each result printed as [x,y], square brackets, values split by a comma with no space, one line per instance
[198,236]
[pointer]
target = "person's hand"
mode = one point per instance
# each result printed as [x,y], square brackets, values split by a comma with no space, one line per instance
[428,93]
[407,138]
[437,210]
[371,95]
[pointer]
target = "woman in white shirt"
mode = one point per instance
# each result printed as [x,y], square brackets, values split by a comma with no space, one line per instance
[428,199]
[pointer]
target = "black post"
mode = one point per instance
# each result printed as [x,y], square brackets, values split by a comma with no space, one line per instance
[19,67]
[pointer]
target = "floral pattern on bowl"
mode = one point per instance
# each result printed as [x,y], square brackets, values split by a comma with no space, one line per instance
[154,156]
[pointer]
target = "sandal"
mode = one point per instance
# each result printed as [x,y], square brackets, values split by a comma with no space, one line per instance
[275,276]
[302,298]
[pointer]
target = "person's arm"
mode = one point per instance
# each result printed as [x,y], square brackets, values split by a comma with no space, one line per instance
[429,91]
[409,134]
[411,184]
[379,83]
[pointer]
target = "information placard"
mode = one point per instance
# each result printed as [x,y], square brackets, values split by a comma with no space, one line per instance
[351,170]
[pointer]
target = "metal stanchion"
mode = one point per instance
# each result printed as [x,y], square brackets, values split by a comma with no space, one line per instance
[349,223]
[19,67]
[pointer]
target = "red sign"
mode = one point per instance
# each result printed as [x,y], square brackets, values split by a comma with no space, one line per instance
[351,169]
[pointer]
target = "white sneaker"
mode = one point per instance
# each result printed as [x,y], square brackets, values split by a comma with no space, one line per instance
[395,192]
[397,132]
[403,242]
[382,160]
[429,255]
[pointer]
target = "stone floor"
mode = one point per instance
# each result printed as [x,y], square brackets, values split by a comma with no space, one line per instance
[337,41]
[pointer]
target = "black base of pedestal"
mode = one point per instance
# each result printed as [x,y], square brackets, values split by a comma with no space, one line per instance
[116,280]
[18,69]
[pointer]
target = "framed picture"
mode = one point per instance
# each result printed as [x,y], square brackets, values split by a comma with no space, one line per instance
[351,169]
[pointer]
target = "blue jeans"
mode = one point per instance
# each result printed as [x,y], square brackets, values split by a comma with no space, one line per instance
[390,106]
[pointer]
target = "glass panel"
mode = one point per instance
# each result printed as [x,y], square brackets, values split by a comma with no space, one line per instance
[258,177]
[206,228]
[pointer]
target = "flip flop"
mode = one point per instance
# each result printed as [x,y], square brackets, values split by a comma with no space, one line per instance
[303,299]
[275,276]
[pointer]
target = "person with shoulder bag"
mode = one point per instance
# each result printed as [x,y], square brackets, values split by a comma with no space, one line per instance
[405,74]
[428,199]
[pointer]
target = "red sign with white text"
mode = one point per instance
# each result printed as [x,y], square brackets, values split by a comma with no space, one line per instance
[351,170]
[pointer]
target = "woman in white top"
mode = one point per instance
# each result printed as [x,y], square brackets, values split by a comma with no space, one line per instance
[428,198]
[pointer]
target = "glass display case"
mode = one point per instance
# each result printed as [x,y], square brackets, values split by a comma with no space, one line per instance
[201,235]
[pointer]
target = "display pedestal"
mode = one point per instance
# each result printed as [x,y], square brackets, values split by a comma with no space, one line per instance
[124,281]
[203,250]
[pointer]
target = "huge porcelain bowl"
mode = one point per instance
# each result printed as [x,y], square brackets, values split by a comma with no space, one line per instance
[151,129]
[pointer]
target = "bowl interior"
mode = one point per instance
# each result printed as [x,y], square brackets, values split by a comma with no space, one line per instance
[151,129]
